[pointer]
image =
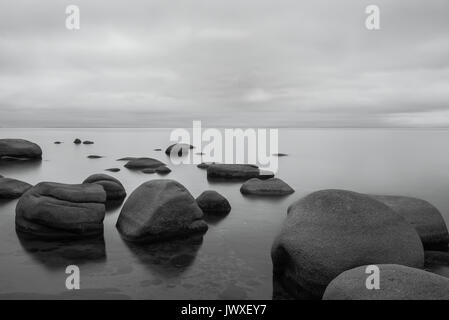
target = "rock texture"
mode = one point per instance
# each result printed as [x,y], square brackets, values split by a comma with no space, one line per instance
[160,210]
[88,142]
[211,202]
[113,187]
[269,187]
[396,283]
[61,211]
[143,163]
[77,141]
[426,219]
[236,172]
[12,189]
[19,148]
[178,149]
[331,231]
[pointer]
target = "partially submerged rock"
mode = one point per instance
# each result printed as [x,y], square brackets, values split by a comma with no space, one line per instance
[236,172]
[12,189]
[160,210]
[88,142]
[162,170]
[280,154]
[62,211]
[205,165]
[113,187]
[178,149]
[94,156]
[144,163]
[19,148]
[269,187]
[211,202]
[397,282]
[57,142]
[113,169]
[331,231]
[77,141]
[426,219]
[149,171]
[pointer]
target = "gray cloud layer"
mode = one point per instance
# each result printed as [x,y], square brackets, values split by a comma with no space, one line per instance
[228,63]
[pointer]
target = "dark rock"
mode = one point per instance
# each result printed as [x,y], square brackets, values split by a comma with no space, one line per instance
[113,169]
[396,283]
[93,156]
[436,258]
[280,154]
[205,165]
[127,158]
[236,172]
[148,171]
[269,187]
[331,231]
[160,210]
[211,202]
[77,141]
[12,189]
[158,149]
[113,187]
[57,142]
[426,219]
[162,170]
[144,163]
[19,148]
[61,211]
[178,149]
[88,142]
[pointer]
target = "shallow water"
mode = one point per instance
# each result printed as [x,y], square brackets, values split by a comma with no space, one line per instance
[233,258]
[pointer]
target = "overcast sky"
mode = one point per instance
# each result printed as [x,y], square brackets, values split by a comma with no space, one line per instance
[226,62]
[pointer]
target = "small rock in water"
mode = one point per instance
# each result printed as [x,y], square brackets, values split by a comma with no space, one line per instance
[113,169]
[205,165]
[12,189]
[93,156]
[57,142]
[144,163]
[158,149]
[148,170]
[77,141]
[88,142]
[113,187]
[236,172]
[127,159]
[163,170]
[280,154]
[178,149]
[211,202]
[269,187]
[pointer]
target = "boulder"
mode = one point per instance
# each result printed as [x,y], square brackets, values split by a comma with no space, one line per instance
[331,231]
[19,148]
[88,142]
[211,202]
[236,172]
[160,210]
[77,141]
[143,163]
[178,149]
[61,211]
[162,170]
[396,283]
[269,187]
[113,187]
[12,189]
[426,219]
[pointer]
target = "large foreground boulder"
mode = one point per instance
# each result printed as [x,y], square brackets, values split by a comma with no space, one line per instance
[236,172]
[269,187]
[12,189]
[61,211]
[113,187]
[144,163]
[426,219]
[160,210]
[211,202]
[331,231]
[19,148]
[396,283]
[178,149]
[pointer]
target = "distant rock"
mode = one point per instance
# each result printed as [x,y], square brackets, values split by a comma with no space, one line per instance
[158,149]
[160,210]
[144,163]
[269,187]
[88,142]
[236,172]
[426,219]
[397,282]
[57,142]
[113,187]
[12,189]
[200,153]
[211,202]
[162,170]
[19,148]
[127,158]
[149,171]
[280,154]
[178,149]
[93,156]
[205,165]
[113,169]
[62,211]
[77,141]
[331,231]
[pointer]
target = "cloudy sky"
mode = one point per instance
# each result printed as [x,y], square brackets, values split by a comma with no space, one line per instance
[281,63]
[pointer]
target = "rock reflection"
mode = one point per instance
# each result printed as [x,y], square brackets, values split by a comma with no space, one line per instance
[60,254]
[167,259]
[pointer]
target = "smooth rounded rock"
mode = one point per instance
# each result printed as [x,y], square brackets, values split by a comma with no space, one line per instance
[211,202]
[144,163]
[162,170]
[160,210]
[269,187]
[235,172]
[396,282]
[113,187]
[88,142]
[12,188]
[178,149]
[19,148]
[331,231]
[77,141]
[62,211]
[113,169]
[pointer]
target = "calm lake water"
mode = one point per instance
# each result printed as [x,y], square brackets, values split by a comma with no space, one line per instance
[233,259]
